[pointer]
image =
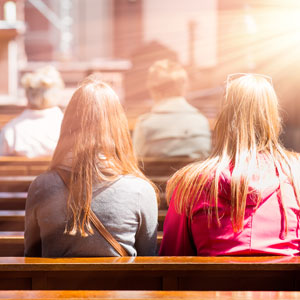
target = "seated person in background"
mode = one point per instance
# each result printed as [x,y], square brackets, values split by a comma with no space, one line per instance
[173,127]
[244,199]
[95,151]
[35,131]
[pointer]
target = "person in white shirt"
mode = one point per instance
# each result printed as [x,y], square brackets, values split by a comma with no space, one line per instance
[35,131]
[173,127]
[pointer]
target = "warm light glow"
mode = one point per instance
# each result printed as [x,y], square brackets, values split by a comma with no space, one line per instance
[10,12]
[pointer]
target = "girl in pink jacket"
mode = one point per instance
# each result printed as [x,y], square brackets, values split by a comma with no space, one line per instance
[244,199]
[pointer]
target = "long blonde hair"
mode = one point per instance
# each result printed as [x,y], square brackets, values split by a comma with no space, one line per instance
[95,143]
[248,125]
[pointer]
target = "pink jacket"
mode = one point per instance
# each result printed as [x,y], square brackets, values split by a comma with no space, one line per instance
[263,226]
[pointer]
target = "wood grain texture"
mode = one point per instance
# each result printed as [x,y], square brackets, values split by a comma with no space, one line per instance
[151,273]
[169,263]
[12,201]
[118,295]
[15,183]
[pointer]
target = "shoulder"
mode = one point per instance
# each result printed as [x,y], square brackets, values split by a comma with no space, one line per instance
[46,184]
[55,112]
[141,125]
[202,119]
[135,184]
[143,118]
[141,192]
[131,192]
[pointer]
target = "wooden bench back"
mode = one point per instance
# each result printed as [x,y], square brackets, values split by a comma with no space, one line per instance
[22,166]
[154,295]
[15,184]
[156,168]
[153,166]
[151,273]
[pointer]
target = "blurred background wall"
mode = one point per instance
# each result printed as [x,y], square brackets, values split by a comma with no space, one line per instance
[121,38]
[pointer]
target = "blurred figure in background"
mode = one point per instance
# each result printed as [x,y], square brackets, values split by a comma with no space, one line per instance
[35,131]
[173,127]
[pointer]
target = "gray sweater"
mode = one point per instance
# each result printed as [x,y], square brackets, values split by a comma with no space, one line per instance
[127,208]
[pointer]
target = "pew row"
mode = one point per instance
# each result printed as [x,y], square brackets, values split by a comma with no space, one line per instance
[22,166]
[12,201]
[151,273]
[12,243]
[154,166]
[16,173]
[129,295]
[151,166]
[22,183]
[15,184]
[12,220]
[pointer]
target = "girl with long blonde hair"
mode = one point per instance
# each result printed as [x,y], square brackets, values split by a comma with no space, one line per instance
[95,150]
[244,199]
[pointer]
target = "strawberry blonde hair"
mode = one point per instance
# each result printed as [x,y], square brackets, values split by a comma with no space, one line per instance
[95,143]
[248,125]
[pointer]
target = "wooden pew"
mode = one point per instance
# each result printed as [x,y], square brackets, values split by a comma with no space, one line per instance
[151,273]
[12,201]
[12,242]
[21,166]
[154,295]
[161,218]
[163,167]
[151,166]
[15,183]
[159,170]
[12,220]
[16,173]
